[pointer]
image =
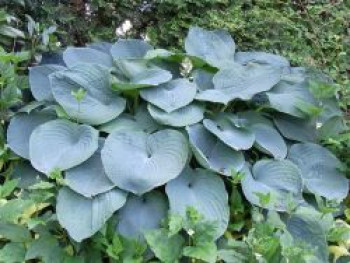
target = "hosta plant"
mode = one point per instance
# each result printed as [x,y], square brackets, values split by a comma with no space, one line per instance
[134,134]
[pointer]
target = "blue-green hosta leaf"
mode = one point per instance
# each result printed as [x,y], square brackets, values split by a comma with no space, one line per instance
[82,217]
[223,127]
[215,47]
[141,121]
[203,79]
[290,98]
[320,170]
[184,116]
[99,104]
[136,74]
[138,162]
[202,190]
[269,140]
[77,55]
[123,122]
[40,83]
[26,175]
[211,153]
[130,49]
[21,127]
[89,178]
[261,58]
[171,95]
[240,82]
[295,128]
[249,118]
[61,144]
[279,179]
[142,213]
[305,226]
[104,47]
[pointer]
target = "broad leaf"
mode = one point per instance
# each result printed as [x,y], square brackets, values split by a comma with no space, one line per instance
[279,181]
[202,190]
[40,83]
[166,248]
[229,132]
[290,98]
[320,170]
[206,251]
[76,55]
[89,178]
[142,213]
[185,116]
[141,121]
[269,140]
[61,144]
[212,154]
[240,82]
[170,96]
[306,228]
[138,162]
[21,127]
[203,79]
[262,58]
[136,74]
[215,47]
[130,49]
[99,103]
[83,217]
[295,128]
[104,47]
[26,175]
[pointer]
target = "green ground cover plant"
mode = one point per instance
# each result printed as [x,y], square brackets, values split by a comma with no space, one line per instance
[130,153]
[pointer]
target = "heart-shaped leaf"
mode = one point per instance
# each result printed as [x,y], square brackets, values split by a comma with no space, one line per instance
[142,213]
[202,190]
[61,144]
[136,74]
[40,83]
[171,95]
[21,127]
[212,154]
[99,103]
[274,184]
[76,55]
[302,130]
[224,127]
[130,49]
[269,140]
[320,170]
[215,47]
[243,82]
[138,162]
[83,217]
[290,98]
[184,116]
[261,58]
[89,178]
[141,121]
